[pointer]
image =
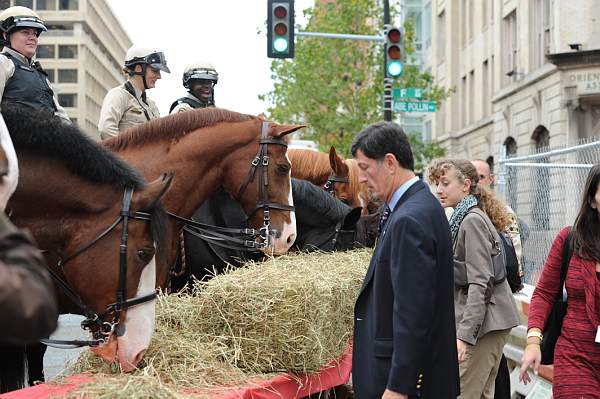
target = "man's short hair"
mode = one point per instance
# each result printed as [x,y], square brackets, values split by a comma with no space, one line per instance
[382,138]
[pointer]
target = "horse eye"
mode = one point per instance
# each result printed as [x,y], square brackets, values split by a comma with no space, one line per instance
[283,169]
[145,255]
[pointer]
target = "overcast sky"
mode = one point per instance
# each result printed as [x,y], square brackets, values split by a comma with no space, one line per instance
[223,32]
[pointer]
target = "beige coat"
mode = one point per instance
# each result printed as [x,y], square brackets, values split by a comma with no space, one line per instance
[481,306]
[120,111]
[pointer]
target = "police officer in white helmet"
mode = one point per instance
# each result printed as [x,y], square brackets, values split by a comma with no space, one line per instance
[127,105]
[22,80]
[199,78]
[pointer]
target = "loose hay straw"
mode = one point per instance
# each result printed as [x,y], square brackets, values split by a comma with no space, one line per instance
[291,314]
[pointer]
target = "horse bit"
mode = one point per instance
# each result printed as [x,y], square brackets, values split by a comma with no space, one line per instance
[94,323]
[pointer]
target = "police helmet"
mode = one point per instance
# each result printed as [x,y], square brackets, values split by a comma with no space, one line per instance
[199,70]
[18,17]
[152,57]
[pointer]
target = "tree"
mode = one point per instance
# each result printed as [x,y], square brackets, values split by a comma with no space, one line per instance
[335,86]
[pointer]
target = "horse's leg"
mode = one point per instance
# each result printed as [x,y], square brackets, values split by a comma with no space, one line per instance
[12,368]
[35,362]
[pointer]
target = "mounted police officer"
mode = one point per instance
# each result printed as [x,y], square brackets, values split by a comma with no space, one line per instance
[200,79]
[22,80]
[127,105]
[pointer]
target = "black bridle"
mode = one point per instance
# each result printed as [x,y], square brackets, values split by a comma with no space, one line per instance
[247,239]
[330,184]
[95,323]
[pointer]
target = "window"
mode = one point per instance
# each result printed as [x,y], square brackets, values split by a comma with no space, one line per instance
[4,4]
[471,17]
[441,36]
[510,150]
[485,95]
[472,96]
[67,76]
[67,51]
[541,200]
[509,47]
[46,51]
[46,4]
[24,3]
[68,4]
[541,27]
[50,73]
[427,25]
[67,100]
[463,102]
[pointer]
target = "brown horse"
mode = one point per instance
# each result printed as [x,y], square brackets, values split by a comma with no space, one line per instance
[209,148]
[336,175]
[9,168]
[84,207]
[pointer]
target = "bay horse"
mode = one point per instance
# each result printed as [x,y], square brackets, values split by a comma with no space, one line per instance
[337,176]
[95,215]
[209,148]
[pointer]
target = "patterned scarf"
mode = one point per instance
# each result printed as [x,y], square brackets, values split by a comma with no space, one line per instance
[460,211]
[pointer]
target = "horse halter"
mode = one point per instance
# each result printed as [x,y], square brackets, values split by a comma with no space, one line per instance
[261,163]
[330,184]
[100,329]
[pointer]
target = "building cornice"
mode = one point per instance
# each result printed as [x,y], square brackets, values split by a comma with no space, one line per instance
[574,59]
[530,79]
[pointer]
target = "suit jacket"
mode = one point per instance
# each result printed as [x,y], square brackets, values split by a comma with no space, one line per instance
[404,334]
[480,305]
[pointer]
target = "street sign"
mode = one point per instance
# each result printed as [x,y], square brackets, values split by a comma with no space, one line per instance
[415,106]
[408,92]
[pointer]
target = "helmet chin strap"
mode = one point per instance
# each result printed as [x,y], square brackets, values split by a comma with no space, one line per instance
[142,74]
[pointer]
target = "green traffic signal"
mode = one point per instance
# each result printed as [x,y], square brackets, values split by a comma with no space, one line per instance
[395,68]
[280,45]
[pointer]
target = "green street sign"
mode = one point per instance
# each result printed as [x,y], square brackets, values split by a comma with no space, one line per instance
[408,92]
[415,106]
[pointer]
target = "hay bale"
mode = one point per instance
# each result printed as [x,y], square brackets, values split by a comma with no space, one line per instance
[291,314]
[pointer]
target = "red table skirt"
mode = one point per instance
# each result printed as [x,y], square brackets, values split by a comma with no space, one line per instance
[281,386]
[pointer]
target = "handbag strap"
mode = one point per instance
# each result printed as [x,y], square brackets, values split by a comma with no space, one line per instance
[566,259]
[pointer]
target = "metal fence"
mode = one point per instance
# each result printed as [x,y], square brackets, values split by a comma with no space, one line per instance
[545,189]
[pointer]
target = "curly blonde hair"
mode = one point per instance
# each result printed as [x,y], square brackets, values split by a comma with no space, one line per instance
[486,200]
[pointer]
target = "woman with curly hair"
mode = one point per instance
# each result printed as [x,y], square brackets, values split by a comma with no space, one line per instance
[577,351]
[485,310]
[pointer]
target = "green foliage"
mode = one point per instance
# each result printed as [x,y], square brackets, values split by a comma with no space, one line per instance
[336,86]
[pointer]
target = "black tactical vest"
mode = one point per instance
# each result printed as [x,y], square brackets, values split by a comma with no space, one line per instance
[192,103]
[28,86]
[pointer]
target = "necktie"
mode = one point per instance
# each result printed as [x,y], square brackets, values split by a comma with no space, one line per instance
[383,219]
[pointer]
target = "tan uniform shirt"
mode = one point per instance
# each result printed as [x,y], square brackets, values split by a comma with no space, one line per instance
[120,111]
[7,70]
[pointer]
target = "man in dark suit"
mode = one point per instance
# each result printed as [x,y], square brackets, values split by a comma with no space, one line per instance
[404,332]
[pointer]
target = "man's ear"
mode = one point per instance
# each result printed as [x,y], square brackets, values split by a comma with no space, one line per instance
[390,160]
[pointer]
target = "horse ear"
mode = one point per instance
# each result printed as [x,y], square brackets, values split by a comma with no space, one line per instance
[352,218]
[283,130]
[337,163]
[147,198]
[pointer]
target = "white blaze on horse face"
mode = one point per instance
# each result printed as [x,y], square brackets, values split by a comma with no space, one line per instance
[139,323]
[288,234]
[9,182]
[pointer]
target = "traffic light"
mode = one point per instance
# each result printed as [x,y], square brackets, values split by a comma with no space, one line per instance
[280,29]
[393,50]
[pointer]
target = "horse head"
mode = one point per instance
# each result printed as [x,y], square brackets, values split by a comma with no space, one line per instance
[259,175]
[97,217]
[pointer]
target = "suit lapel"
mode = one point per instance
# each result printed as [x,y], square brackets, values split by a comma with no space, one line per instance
[418,186]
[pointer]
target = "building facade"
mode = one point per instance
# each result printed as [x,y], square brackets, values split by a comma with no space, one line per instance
[526,74]
[83,53]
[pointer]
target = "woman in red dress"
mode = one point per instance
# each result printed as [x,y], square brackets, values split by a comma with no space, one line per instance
[577,352]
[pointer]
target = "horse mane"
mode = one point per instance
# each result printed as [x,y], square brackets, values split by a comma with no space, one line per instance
[315,206]
[310,165]
[173,127]
[48,135]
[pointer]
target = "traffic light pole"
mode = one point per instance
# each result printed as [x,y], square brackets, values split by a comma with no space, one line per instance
[387,81]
